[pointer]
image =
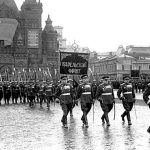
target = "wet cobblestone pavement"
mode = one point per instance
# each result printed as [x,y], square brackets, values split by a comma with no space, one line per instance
[23,128]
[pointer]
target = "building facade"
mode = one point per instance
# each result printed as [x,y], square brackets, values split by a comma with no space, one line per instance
[61,40]
[29,47]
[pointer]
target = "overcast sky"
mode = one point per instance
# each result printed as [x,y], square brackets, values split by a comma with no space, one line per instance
[101,25]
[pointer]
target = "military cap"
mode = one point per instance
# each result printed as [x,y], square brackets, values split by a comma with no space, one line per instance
[105,77]
[84,76]
[126,78]
[63,77]
[70,80]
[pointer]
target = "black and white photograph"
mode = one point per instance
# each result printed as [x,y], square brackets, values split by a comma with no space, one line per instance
[74,75]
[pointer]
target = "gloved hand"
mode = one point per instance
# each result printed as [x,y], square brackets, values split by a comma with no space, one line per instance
[114,102]
[134,100]
[122,98]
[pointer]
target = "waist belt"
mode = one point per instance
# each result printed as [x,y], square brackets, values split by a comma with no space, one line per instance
[106,93]
[85,93]
[66,94]
[127,93]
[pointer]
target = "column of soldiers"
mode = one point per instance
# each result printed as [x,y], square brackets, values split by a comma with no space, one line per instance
[27,92]
[69,95]
[87,93]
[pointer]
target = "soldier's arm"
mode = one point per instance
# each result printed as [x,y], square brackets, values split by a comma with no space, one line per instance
[58,92]
[113,93]
[79,92]
[119,91]
[133,93]
[93,92]
[146,95]
[99,92]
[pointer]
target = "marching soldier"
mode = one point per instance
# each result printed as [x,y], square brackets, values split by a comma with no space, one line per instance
[146,99]
[105,95]
[1,92]
[41,93]
[13,91]
[17,94]
[31,95]
[49,94]
[128,98]
[23,92]
[84,93]
[8,93]
[70,81]
[64,92]
[4,90]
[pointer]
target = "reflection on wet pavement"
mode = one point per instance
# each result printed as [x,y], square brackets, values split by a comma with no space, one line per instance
[23,128]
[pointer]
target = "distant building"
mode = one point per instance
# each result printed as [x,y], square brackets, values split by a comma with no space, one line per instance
[23,43]
[62,41]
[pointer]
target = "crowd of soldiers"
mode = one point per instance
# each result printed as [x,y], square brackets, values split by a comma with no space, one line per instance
[27,92]
[87,93]
[68,95]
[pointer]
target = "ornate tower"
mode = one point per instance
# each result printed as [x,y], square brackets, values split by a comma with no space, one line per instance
[9,15]
[50,46]
[31,12]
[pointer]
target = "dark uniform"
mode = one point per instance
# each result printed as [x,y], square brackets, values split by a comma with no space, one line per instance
[31,95]
[42,94]
[7,94]
[64,92]
[128,98]
[49,94]
[1,92]
[105,95]
[84,93]
[23,92]
[146,99]
[13,91]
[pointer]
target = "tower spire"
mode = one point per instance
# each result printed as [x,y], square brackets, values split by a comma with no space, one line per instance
[49,24]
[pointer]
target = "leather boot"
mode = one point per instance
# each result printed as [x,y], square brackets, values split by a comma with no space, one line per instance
[107,120]
[148,130]
[103,119]
[129,119]
[123,115]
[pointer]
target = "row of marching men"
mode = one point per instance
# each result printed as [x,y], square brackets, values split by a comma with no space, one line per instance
[87,93]
[27,92]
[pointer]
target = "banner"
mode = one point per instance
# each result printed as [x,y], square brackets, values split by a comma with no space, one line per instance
[33,38]
[73,63]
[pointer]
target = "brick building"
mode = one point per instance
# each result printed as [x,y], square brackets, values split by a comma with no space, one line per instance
[23,43]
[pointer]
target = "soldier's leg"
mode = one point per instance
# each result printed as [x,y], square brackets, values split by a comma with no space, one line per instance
[24,99]
[85,109]
[13,99]
[41,100]
[48,102]
[71,109]
[148,130]
[103,109]
[16,100]
[8,98]
[128,107]
[107,109]
[37,98]
[65,113]
[5,99]
[123,115]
